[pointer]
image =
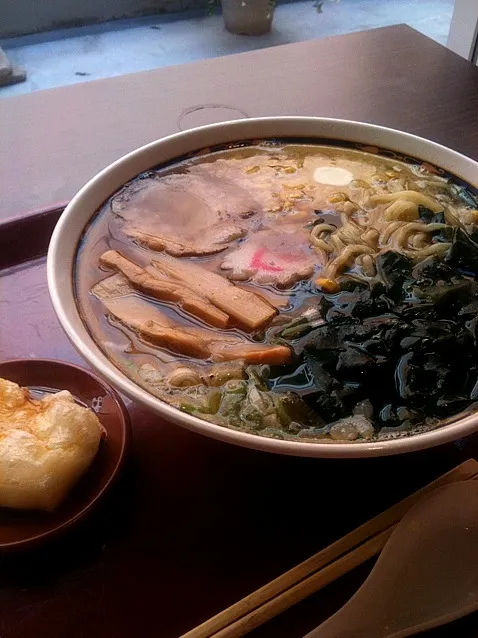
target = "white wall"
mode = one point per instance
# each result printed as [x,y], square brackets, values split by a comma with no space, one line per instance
[463,35]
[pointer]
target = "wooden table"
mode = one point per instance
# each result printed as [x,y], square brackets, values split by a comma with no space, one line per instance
[52,142]
[196,524]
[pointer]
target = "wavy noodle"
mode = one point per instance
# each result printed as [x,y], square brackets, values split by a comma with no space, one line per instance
[432,249]
[317,231]
[401,237]
[349,233]
[389,230]
[413,239]
[418,241]
[337,243]
[410,196]
[345,259]
[402,209]
[321,244]
[371,237]
[367,263]
[358,242]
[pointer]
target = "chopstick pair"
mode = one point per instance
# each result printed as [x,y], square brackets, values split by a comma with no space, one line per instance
[320,569]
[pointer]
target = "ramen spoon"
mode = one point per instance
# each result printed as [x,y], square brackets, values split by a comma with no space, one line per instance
[426,575]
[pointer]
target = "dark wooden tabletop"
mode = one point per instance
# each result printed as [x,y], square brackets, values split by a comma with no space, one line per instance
[196,524]
[52,142]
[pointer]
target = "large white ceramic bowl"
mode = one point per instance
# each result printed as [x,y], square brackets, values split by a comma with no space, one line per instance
[83,206]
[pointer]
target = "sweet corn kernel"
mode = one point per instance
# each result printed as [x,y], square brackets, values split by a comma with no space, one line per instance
[327,285]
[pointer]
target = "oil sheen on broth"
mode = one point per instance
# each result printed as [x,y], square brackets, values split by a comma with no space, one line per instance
[292,290]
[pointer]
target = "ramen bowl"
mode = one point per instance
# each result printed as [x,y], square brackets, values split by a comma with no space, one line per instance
[83,207]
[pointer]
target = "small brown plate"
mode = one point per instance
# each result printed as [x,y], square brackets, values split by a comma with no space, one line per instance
[22,529]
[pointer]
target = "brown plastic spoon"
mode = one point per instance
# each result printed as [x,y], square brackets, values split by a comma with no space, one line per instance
[426,575]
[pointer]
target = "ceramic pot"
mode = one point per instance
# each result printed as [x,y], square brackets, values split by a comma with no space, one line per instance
[248,17]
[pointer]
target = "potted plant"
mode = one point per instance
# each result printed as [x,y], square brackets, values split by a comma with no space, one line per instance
[248,17]
[251,17]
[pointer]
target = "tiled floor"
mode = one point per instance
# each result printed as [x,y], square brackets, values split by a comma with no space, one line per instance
[78,55]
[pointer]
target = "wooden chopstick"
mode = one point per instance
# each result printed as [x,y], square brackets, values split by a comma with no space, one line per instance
[306,587]
[320,569]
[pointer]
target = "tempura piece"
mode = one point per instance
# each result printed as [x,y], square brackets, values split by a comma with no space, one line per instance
[45,447]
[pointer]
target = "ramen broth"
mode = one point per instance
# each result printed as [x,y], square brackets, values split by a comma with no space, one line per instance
[293,290]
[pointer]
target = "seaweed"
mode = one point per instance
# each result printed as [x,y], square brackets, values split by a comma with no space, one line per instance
[429,217]
[406,342]
[403,343]
[433,269]
[466,196]
[463,253]
[393,270]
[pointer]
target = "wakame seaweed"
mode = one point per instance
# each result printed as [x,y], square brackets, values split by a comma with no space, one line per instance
[463,253]
[405,341]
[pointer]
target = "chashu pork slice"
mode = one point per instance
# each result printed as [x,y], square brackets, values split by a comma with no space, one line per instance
[279,257]
[184,214]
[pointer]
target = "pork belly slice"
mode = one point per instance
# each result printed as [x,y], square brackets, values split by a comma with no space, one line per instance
[184,214]
[279,257]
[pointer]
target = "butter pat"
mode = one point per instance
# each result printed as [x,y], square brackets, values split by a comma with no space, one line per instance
[45,447]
